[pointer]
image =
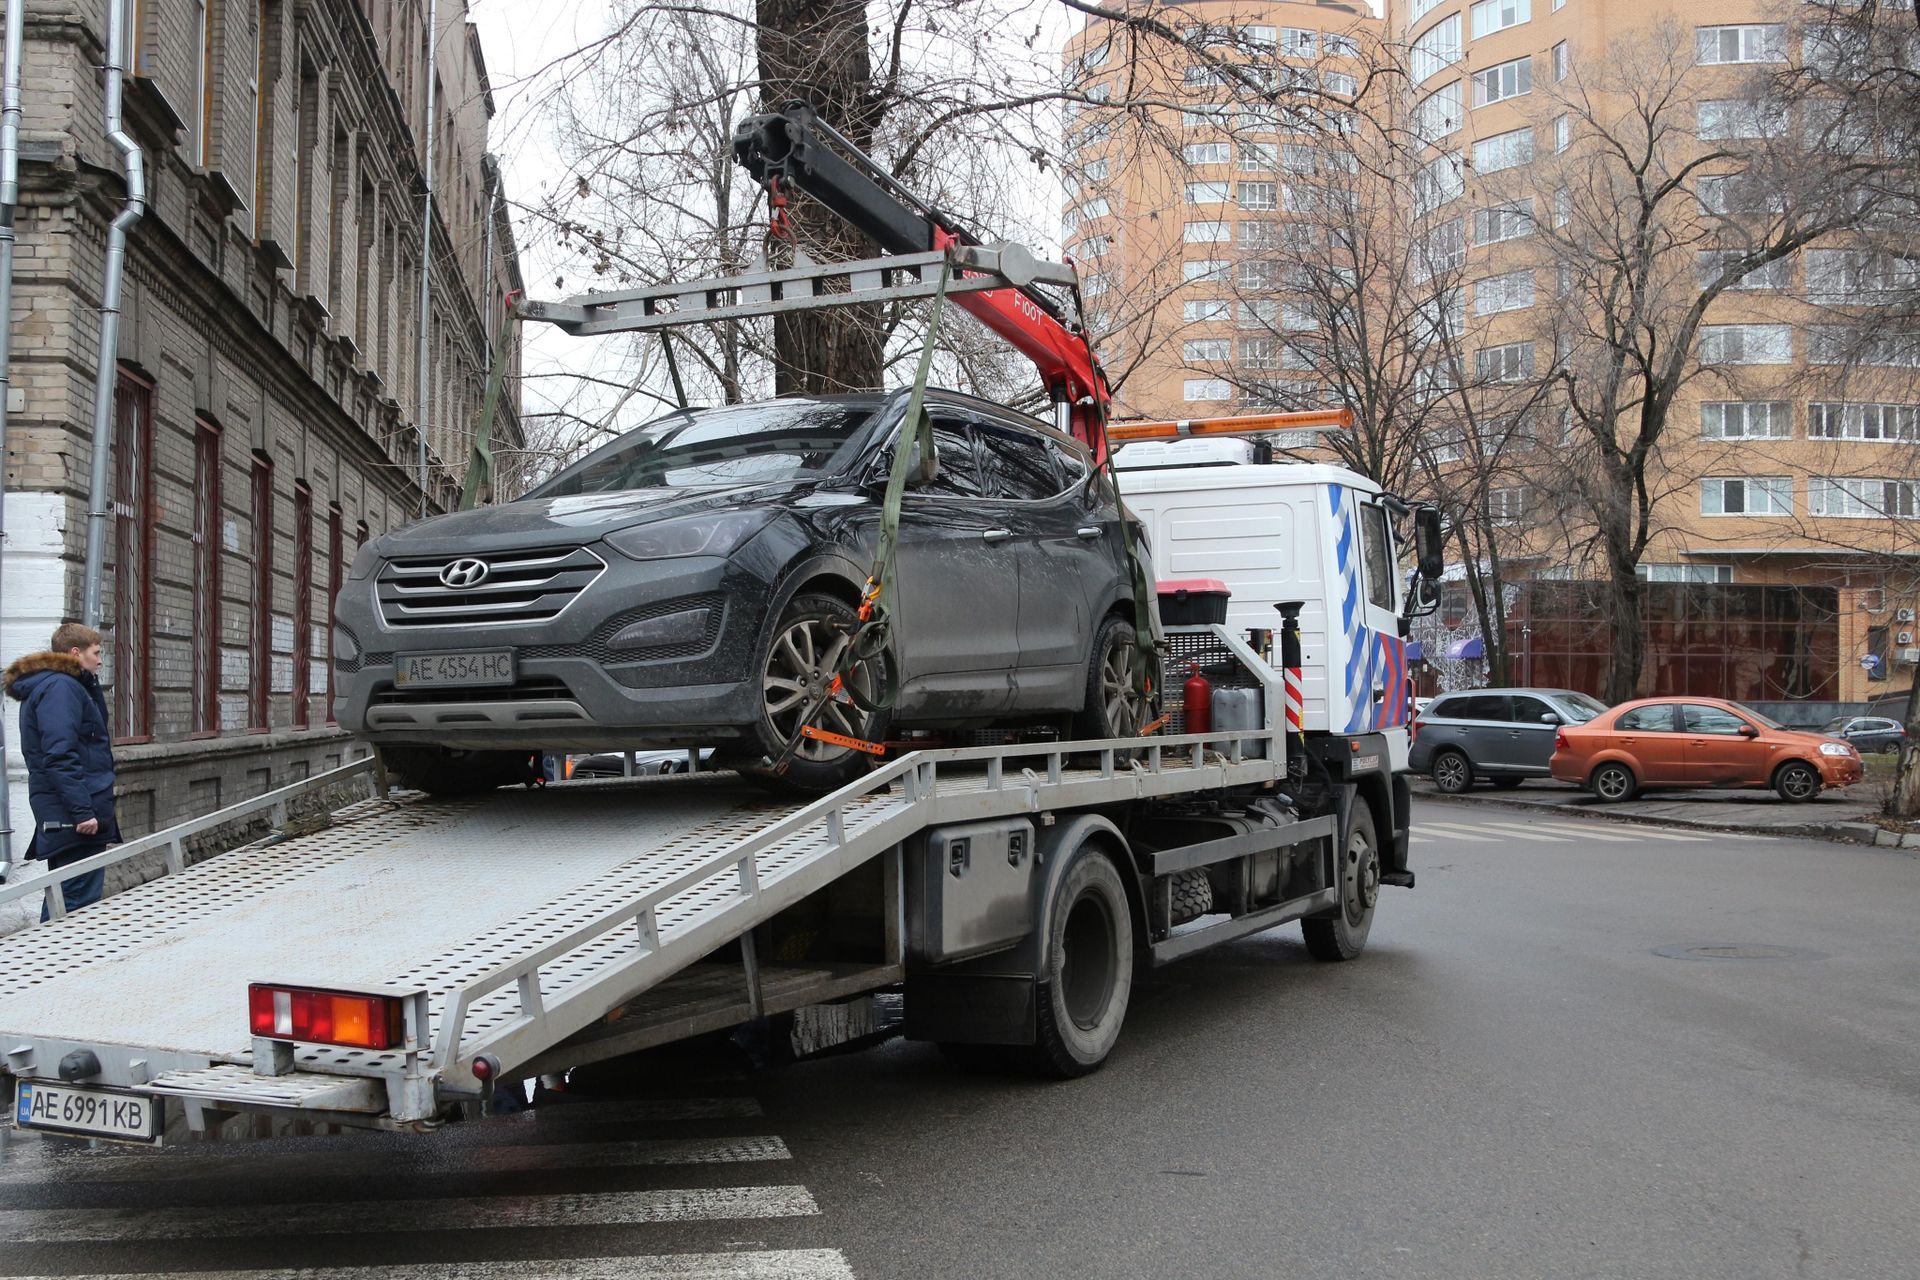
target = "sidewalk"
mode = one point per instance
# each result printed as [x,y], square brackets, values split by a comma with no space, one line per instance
[1846,814]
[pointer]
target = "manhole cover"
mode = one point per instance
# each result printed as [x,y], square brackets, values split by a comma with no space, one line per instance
[1736,951]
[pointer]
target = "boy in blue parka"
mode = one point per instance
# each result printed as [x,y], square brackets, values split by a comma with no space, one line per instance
[64,736]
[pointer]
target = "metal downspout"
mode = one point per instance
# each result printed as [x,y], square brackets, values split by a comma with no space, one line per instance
[9,200]
[105,375]
[426,245]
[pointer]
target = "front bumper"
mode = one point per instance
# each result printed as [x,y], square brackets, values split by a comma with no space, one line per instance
[1840,771]
[572,686]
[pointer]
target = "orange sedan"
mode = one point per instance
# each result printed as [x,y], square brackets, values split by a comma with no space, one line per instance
[1697,742]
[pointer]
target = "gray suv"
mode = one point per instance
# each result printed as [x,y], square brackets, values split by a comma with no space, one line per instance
[1502,735]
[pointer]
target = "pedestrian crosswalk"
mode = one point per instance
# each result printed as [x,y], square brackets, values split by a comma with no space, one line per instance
[1528,831]
[588,1166]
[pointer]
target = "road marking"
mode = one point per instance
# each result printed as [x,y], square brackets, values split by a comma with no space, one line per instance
[1531,833]
[1647,834]
[371,1217]
[1414,839]
[373,1160]
[772,1264]
[1458,831]
[1589,833]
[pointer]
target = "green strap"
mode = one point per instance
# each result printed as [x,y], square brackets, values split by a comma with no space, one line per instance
[916,428]
[480,461]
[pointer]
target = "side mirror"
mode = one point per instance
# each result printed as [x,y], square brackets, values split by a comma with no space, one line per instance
[1429,550]
[1550,718]
[1748,731]
[923,466]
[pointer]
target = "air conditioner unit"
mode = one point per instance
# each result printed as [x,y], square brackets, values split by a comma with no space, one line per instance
[1909,656]
[1903,637]
[1903,615]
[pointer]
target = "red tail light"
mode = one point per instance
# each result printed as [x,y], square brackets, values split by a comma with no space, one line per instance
[1559,739]
[327,1017]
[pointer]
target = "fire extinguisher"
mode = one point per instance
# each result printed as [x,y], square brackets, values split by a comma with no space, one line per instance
[1197,701]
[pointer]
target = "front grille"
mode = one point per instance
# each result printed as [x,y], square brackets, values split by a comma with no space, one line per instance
[519,587]
[530,689]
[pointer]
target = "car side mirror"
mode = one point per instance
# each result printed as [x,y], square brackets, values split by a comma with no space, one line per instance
[1748,731]
[1429,549]
[923,466]
[1550,718]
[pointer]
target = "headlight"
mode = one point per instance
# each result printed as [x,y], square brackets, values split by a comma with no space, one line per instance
[702,535]
[1835,749]
[363,562]
[345,648]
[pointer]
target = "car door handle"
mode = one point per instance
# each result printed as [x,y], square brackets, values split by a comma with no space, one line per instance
[997,535]
[1087,533]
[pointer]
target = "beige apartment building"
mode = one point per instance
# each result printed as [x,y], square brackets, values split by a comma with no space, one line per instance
[1783,568]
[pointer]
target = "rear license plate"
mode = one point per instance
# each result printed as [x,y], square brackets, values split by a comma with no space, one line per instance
[98,1113]
[482,668]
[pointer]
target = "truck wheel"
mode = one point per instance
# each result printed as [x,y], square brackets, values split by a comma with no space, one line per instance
[1113,708]
[1342,933]
[1796,781]
[1083,990]
[441,771]
[1452,772]
[1613,781]
[797,658]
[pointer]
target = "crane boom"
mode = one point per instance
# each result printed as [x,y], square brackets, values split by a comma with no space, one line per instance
[793,149]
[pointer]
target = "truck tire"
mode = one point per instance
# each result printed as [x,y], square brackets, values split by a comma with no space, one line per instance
[1191,895]
[1113,708]
[1796,781]
[1342,933]
[1081,997]
[1452,772]
[796,651]
[441,771]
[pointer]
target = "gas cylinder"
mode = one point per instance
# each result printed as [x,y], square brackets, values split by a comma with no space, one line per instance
[1197,701]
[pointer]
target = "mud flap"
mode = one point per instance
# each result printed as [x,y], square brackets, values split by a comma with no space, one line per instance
[971,1008]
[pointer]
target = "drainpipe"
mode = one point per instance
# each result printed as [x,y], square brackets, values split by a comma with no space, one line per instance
[426,246]
[9,199]
[105,374]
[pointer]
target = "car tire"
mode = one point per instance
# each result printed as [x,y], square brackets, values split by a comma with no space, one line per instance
[441,771]
[1452,772]
[1113,708]
[1341,934]
[794,656]
[1507,784]
[1796,781]
[1613,782]
[1086,975]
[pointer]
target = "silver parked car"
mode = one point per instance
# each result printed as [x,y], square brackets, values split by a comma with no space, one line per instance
[1502,735]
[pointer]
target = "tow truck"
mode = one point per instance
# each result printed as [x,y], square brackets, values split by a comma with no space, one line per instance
[390,966]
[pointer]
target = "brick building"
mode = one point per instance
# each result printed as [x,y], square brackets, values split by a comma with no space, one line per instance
[266,412]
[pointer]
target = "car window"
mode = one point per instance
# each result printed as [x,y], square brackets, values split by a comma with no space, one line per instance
[1657,718]
[1702,719]
[1883,726]
[956,476]
[1834,726]
[1376,553]
[1528,710]
[1480,706]
[1578,707]
[1014,464]
[1072,467]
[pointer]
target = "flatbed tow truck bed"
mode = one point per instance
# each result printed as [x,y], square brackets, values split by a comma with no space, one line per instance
[516,922]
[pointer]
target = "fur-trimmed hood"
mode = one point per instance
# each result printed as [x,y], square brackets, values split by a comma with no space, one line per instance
[34,663]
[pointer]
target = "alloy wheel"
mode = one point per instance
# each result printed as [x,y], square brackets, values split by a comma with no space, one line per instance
[800,668]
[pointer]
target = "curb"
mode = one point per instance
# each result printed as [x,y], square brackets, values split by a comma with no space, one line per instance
[1851,832]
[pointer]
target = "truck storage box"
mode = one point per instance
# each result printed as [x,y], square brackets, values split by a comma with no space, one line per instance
[1192,602]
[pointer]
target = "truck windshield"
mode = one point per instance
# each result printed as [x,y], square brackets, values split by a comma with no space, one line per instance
[710,448]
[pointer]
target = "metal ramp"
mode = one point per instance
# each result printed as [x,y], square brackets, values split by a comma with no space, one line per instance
[522,919]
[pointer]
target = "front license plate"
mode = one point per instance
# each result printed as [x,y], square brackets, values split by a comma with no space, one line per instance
[486,667]
[98,1113]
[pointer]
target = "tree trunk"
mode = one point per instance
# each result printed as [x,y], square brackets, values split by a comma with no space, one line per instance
[815,51]
[1905,800]
[1628,651]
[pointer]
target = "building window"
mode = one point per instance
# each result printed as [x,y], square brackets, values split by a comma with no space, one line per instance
[1740,118]
[1260,353]
[1511,362]
[1202,76]
[1510,291]
[1694,573]
[1871,346]
[1746,344]
[1211,116]
[1738,193]
[1194,269]
[1777,274]
[1258,196]
[1095,208]
[1339,83]
[1299,42]
[336,568]
[1746,420]
[1438,182]
[1206,193]
[1751,43]
[1258,157]
[1206,389]
[1436,49]
[1503,151]
[1335,45]
[1490,16]
[1201,310]
[1560,62]
[1499,222]
[1503,81]
[132,557]
[1206,350]
[260,639]
[207,530]
[1874,423]
[1262,314]
[1419,9]
[1208,232]
[1206,153]
[1257,275]
[1095,246]
[1257,234]
[1442,247]
[302,602]
[1440,113]
[1507,505]
[1862,498]
[1746,496]
[1562,132]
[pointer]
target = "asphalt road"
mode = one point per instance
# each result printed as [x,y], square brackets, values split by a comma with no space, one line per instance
[1531,1073]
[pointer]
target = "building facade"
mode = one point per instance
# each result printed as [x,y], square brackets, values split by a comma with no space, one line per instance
[267,405]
